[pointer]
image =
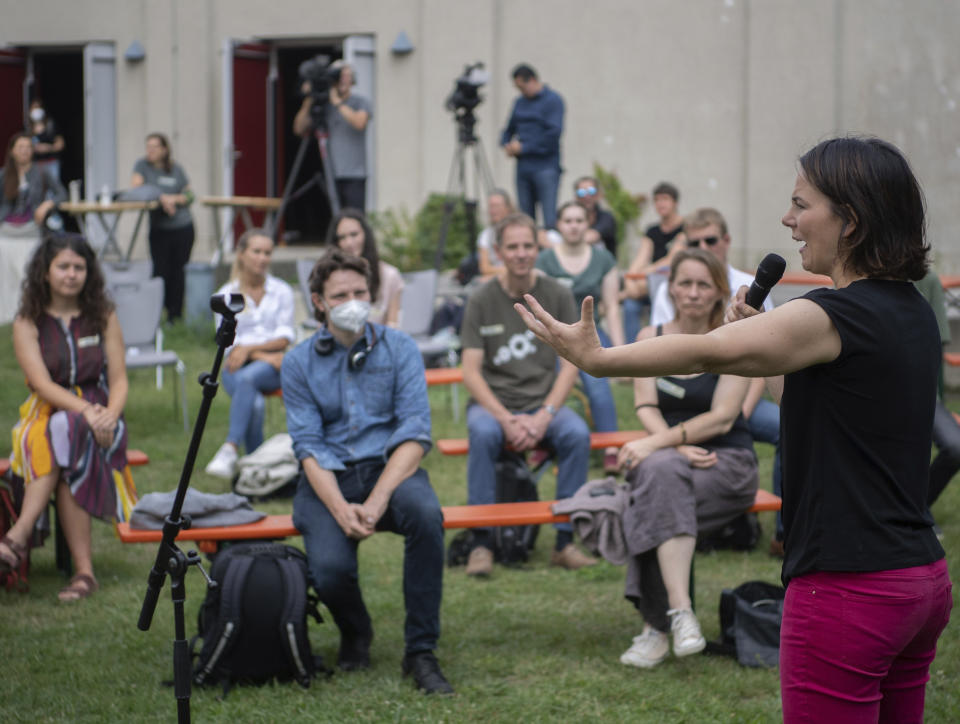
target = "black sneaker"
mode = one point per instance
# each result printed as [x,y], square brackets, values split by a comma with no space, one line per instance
[354,652]
[426,673]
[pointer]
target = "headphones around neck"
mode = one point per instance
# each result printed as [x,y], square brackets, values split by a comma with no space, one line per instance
[357,356]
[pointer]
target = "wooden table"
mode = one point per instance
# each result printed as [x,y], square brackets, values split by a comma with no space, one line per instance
[234,204]
[81,209]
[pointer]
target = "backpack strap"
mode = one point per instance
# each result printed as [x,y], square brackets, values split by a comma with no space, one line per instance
[293,619]
[228,624]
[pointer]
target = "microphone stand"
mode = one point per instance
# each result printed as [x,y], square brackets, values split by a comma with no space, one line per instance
[170,559]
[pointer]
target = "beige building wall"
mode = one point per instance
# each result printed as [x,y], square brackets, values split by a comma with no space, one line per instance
[718,96]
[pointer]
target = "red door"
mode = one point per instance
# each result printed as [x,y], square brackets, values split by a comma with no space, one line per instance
[13,72]
[251,67]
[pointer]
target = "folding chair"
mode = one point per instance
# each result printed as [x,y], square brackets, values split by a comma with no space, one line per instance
[304,267]
[416,313]
[139,305]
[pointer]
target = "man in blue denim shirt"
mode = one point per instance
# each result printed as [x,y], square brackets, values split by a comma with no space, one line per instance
[532,136]
[358,414]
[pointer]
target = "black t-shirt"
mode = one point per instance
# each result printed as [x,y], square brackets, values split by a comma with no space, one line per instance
[856,435]
[661,239]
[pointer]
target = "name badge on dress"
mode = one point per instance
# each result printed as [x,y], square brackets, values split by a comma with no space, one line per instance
[92,341]
[670,388]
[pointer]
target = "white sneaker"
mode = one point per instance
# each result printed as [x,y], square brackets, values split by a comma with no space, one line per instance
[224,463]
[649,649]
[687,638]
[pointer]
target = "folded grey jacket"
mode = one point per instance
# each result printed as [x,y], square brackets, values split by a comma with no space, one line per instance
[206,510]
[596,513]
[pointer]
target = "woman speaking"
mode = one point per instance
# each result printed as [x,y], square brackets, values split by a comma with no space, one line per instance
[855,370]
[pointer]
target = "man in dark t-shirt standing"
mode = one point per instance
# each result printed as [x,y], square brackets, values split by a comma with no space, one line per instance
[517,388]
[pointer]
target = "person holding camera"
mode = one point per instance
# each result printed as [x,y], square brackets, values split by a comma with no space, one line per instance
[346,115]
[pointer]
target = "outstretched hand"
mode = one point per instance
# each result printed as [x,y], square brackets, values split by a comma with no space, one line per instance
[577,342]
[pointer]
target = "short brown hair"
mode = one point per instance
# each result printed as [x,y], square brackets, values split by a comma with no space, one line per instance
[870,184]
[334,260]
[703,217]
[516,219]
[667,189]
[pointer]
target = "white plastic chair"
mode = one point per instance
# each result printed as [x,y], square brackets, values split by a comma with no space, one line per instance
[124,272]
[304,267]
[139,306]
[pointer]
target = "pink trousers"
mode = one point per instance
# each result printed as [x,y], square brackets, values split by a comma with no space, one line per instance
[857,647]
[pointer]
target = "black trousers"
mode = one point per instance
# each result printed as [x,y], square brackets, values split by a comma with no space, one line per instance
[352,193]
[170,252]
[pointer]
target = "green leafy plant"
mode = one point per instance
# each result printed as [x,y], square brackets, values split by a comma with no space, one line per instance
[411,243]
[626,207]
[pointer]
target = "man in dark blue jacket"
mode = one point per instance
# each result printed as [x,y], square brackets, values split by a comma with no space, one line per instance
[532,136]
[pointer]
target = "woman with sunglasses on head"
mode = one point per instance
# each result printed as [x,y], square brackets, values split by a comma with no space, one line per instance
[71,439]
[171,225]
[351,233]
[589,269]
[251,367]
[682,489]
[855,370]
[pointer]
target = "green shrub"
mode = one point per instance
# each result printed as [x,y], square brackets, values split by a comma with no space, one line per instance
[625,206]
[411,244]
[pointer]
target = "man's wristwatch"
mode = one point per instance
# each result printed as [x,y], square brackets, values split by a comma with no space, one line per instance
[551,409]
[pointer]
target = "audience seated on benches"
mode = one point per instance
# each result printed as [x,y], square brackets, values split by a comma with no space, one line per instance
[693,473]
[518,389]
[71,438]
[251,367]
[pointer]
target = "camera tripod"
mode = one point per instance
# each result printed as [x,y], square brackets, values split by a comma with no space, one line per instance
[468,144]
[322,179]
[170,559]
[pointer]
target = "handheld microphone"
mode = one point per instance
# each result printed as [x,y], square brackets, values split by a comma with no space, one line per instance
[768,274]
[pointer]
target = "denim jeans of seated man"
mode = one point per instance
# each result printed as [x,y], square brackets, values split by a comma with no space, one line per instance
[567,434]
[632,311]
[246,387]
[764,426]
[413,512]
[538,186]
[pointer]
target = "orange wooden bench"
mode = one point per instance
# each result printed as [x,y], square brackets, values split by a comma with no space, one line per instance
[598,441]
[536,512]
[952,358]
[134,458]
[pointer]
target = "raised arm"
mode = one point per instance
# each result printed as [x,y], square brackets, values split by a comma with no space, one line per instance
[789,338]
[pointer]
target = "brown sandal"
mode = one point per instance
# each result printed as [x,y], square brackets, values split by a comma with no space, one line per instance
[11,561]
[80,586]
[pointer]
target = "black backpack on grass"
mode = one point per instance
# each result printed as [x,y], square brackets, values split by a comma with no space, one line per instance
[254,622]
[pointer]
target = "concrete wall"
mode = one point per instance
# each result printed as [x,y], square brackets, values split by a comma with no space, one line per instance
[718,96]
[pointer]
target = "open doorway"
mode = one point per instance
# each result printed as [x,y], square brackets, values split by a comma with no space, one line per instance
[307,217]
[58,80]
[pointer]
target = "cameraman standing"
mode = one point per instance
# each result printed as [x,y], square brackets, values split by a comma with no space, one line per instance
[346,117]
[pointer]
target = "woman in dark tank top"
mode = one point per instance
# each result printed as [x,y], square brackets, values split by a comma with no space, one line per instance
[682,487]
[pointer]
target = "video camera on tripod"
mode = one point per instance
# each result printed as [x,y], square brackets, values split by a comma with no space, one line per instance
[465,97]
[320,75]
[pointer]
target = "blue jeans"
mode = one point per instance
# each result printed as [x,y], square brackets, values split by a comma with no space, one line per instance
[567,435]
[632,312]
[538,187]
[598,393]
[764,426]
[413,512]
[245,387]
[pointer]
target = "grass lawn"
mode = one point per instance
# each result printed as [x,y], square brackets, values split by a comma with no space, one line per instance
[531,644]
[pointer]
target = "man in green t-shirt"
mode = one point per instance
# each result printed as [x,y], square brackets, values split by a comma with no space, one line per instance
[518,386]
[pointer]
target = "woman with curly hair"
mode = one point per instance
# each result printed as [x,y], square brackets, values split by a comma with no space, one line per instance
[351,233]
[71,437]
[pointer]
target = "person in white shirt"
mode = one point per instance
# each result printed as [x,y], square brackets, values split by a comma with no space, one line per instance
[265,328]
[706,228]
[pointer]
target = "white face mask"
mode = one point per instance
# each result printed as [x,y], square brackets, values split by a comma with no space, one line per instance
[37,115]
[350,316]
